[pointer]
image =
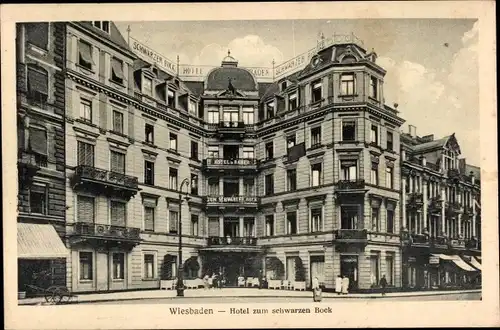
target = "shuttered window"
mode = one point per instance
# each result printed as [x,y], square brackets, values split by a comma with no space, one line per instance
[117,122]
[85,55]
[85,209]
[38,84]
[174,221]
[117,162]
[149,218]
[118,213]
[85,154]
[38,140]
[213,227]
[38,34]
[117,70]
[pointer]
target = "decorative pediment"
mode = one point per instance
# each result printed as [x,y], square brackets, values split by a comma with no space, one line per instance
[452,144]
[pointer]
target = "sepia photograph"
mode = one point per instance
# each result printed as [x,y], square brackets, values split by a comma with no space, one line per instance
[220,167]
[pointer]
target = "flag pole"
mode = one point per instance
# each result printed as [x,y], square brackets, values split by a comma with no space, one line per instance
[128,34]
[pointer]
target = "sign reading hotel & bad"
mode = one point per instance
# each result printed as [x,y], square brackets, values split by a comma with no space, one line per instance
[151,56]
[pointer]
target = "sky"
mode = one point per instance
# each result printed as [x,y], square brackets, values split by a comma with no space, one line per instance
[431,64]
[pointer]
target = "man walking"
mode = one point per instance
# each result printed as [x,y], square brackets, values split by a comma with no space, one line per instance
[383,284]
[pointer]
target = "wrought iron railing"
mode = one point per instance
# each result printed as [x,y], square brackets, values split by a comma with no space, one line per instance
[106,231]
[232,241]
[97,174]
[231,124]
[350,184]
[415,198]
[439,240]
[351,234]
[419,239]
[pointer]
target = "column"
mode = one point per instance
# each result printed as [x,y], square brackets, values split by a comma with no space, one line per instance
[403,202]
[240,188]
[221,187]
[473,216]
[240,227]
[424,199]
[443,219]
[221,226]
[240,113]
[459,218]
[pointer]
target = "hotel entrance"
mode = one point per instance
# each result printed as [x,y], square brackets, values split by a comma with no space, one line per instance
[232,265]
[349,268]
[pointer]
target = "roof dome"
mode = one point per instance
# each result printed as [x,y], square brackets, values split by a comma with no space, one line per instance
[229,73]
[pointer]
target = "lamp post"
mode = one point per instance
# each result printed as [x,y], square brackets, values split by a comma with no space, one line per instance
[180,270]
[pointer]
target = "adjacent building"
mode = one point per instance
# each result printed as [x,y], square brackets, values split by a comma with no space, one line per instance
[308,176]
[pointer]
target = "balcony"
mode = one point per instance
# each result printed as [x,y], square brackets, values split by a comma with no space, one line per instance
[359,236]
[456,244]
[105,182]
[213,241]
[453,173]
[472,244]
[232,201]
[235,164]
[231,129]
[419,239]
[415,200]
[453,207]
[103,234]
[350,186]
[28,166]
[435,204]
[439,241]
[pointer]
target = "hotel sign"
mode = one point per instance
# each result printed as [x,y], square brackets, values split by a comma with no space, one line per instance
[433,260]
[151,56]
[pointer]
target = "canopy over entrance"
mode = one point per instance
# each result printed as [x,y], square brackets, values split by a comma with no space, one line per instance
[39,241]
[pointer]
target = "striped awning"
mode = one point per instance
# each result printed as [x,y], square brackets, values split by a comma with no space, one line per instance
[475,263]
[457,261]
[39,241]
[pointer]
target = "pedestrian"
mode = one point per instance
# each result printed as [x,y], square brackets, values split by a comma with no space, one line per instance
[316,290]
[260,279]
[345,285]
[383,284]
[205,281]
[215,281]
[338,284]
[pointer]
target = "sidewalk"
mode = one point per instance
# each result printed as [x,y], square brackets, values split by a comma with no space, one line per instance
[228,292]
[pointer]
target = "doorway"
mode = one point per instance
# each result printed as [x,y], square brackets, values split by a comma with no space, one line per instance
[349,268]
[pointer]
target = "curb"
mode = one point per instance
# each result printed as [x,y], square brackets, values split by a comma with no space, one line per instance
[264,296]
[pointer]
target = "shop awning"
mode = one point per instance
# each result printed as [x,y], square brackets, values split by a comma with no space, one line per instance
[39,241]
[457,261]
[475,263]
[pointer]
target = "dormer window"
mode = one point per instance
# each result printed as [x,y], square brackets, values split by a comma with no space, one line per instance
[270,109]
[117,70]
[373,87]
[283,85]
[171,98]
[147,86]
[102,25]
[293,101]
[192,107]
[316,91]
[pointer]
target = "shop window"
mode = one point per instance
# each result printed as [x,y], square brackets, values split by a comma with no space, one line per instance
[118,266]
[149,266]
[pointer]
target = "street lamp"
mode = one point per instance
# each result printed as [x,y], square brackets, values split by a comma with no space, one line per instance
[180,270]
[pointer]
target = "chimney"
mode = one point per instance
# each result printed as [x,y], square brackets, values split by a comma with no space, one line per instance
[472,177]
[412,130]
[424,161]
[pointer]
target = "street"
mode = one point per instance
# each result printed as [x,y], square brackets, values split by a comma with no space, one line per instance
[228,300]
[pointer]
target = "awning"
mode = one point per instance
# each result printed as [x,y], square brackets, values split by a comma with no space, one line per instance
[475,263]
[39,241]
[457,261]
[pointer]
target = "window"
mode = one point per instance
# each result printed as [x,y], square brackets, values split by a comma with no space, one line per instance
[230,115]
[173,141]
[117,122]
[388,177]
[118,213]
[389,272]
[390,143]
[248,153]
[85,209]
[316,220]
[85,154]
[270,109]
[149,218]
[194,150]
[248,187]
[194,225]
[316,178]
[349,170]
[374,87]
[194,184]
[213,116]
[347,84]
[291,180]
[390,220]
[147,86]
[86,271]
[173,217]
[269,184]
[117,162]
[38,86]
[192,108]
[375,219]
[270,225]
[349,215]
[38,145]
[269,150]
[374,273]
[38,199]
[293,102]
[213,152]
[374,135]
[290,141]
[38,34]
[149,132]
[248,115]
[171,98]
[374,174]
[102,25]
[283,85]
[85,55]
[316,91]
[86,110]
[172,178]
[348,130]
[213,186]
[117,70]
[291,220]
[149,172]
[149,266]
[316,137]
[118,266]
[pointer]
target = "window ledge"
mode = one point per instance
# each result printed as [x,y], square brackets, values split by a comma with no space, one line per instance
[120,84]
[149,144]
[175,152]
[84,69]
[348,95]
[39,50]
[118,133]
[374,99]
[86,122]
[85,281]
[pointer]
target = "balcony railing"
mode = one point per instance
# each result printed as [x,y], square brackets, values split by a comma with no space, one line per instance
[350,184]
[231,199]
[415,199]
[231,125]
[106,231]
[351,235]
[472,244]
[456,243]
[419,239]
[440,240]
[453,173]
[97,175]
[435,203]
[239,163]
[215,241]
[453,207]
[27,158]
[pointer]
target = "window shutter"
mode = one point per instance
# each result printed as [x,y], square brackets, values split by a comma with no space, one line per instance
[85,154]
[117,68]
[38,81]
[85,209]
[213,227]
[38,34]
[174,221]
[149,218]
[85,51]
[118,214]
[38,141]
